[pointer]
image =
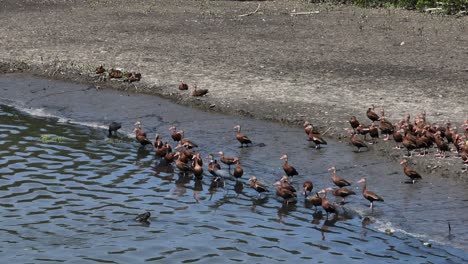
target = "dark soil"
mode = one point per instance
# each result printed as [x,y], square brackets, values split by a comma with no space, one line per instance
[272,65]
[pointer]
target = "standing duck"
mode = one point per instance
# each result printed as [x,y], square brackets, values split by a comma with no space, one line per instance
[409,172]
[370,196]
[197,169]
[181,165]
[398,136]
[357,142]
[408,143]
[343,193]
[338,181]
[113,127]
[315,137]
[308,127]
[183,86]
[374,133]
[362,130]
[285,193]
[238,171]
[176,135]
[316,200]
[198,92]
[227,160]
[308,186]
[288,169]
[286,185]
[354,123]
[327,206]
[259,187]
[213,165]
[157,141]
[243,139]
[185,142]
[386,127]
[441,145]
[372,115]
[140,135]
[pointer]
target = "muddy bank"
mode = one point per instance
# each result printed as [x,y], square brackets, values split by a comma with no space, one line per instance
[321,67]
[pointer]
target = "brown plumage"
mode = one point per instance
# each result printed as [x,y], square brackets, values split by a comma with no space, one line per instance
[259,187]
[133,77]
[141,136]
[287,195]
[372,115]
[441,145]
[398,137]
[169,157]
[157,141]
[181,165]
[316,200]
[357,142]
[386,127]
[326,205]
[370,196]
[338,181]
[161,151]
[198,92]
[308,127]
[176,135]
[243,139]
[317,139]
[409,144]
[373,132]
[100,70]
[183,86]
[197,169]
[238,171]
[354,122]
[288,169]
[117,74]
[286,185]
[412,174]
[227,160]
[308,186]
[343,193]
[213,165]
[362,130]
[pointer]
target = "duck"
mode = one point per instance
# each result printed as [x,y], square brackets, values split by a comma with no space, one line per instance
[386,127]
[185,142]
[343,193]
[357,142]
[354,123]
[338,181]
[374,133]
[412,174]
[169,157]
[198,92]
[141,137]
[143,217]
[308,127]
[181,165]
[243,139]
[308,186]
[183,86]
[197,159]
[363,130]
[398,136]
[287,195]
[213,164]
[133,77]
[100,69]
[408,143]
[157,141]
[315,199]
[288,169]
[116,74]
[257,186]
[285,184]
[441,145]
[113,127]
[161,150]
[197,169]
[372,115]
[227,160]
[317,139]
[176,135]
[370,196]
[238,171]
[326,205]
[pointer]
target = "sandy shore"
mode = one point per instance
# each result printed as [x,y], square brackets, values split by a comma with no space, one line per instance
[322,67]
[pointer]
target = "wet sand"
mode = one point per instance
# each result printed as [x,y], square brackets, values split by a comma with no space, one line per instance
[271,65]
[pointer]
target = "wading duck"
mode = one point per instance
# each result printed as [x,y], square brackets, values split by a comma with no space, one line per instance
[197,169]
[238,171]
[317,139]
[213,165]
[338,181]
[315,199]
[227,160]
[183,86]
[370,196]
[308,186]
[343,193]
[113,127]
[412,174]
[140,135]
[181,165]
[288,169]
[176,135]
[198,92]
[327,206]
[243,139]
[259,187]
[287,195]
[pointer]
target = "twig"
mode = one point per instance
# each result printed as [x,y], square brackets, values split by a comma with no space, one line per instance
[323,134]
[251,13]
[304,13]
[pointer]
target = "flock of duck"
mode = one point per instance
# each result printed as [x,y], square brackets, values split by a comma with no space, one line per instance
[413,136]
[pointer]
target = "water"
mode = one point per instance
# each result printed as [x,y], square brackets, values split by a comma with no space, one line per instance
[68,194]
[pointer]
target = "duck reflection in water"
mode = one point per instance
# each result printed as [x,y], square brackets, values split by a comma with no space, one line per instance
[216,183]
[329,222]
[285,209]
[197,188]
[180,183]
[141,154]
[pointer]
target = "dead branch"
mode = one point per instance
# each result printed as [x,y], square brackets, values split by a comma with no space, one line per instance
[323,134]
[304,13]
[251,13]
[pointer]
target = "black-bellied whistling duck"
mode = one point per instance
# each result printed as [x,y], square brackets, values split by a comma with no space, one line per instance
[288,169]
[315,137]
[409,142]
[157,141]
[259,187]
[141,137]
[213,165]
[183,156]
[181,165]
[372,115]
[398,136]
[161,151]
[357,142]
[100,70]
[412,174]
[465,127]
[198,159]
[169,157]
[183,86]
[370,196]
[386,127]
[373,132]
[185,142]
[113,127]
[354,123]
[287,195]
[117,74]
[197,169]
[464,152]
[441,145]
[338,181]
[343,193]
[423,142]
[143,217]
[362,130]
[132,77]
[243,139]
[227,160]
[308,127]
[327,206]
[238,171]
[185,151]
[315,199]
[308,186]
[168,147]
[176,135]
[285,184]
[198,92]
